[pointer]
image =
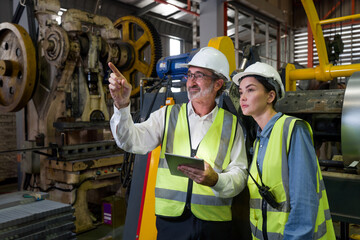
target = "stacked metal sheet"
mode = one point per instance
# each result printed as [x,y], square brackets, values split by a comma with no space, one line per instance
[27,216]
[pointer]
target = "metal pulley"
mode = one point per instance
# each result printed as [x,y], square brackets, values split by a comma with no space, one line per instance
[140,51]
[56,45]
[17,67]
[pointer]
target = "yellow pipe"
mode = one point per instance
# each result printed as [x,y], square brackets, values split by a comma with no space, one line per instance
[319,73]
[302,74]
[290,84]
[324,71]
[345,70]
[339,19]
[317,31]
[332,71]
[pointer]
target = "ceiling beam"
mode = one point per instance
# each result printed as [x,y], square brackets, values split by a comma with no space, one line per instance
[172,21]
[263,7]
[252,12]
[146,9]
[247,25]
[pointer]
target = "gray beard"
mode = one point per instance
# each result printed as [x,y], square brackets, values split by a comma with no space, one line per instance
[202,93]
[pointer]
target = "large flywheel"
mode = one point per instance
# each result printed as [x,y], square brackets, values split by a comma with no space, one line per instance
[17,67]
[142,47]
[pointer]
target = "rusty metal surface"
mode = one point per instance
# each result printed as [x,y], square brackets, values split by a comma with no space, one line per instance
[84,220]
[17,68]
[88,151]
[312,101]
[56,45]
[81,165]
[74,172]
[63,176]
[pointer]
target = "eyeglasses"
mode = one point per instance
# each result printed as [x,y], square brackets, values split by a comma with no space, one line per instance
[198,76]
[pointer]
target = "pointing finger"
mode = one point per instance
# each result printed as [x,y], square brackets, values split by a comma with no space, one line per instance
[115,70]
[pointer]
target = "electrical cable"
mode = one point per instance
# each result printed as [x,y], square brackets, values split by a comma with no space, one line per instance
[78,185]
[75,186]
[155,86]
[154,98]
[27,180]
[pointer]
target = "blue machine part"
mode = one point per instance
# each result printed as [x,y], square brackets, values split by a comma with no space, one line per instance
[172,66]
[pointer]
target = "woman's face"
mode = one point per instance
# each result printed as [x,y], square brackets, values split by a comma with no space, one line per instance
[254,100]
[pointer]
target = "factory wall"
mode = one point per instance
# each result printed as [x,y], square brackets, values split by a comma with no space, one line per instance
[6,11]
[8,163]
[325,10]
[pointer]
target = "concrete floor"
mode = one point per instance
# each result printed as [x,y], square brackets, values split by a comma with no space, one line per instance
[102,232]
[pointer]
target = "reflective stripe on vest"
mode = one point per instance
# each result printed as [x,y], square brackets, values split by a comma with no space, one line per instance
[170,190]
[277,218]
[171,129]
[196,198]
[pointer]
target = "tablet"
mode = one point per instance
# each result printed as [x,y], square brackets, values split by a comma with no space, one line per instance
[174,161]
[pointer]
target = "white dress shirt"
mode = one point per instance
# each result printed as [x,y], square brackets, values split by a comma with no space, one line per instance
[141,138]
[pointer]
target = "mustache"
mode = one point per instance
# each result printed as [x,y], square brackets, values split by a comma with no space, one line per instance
[194,87]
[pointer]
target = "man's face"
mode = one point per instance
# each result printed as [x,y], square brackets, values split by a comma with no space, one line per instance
[200,84]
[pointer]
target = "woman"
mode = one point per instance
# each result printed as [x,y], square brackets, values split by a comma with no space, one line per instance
[287,194]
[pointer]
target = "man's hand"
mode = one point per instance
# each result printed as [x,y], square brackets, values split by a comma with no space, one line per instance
[207,177]
[119,87]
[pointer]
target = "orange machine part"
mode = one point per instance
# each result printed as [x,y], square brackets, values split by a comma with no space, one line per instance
[146,228]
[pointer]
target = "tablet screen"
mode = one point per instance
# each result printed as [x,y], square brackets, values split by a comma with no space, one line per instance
[174,161]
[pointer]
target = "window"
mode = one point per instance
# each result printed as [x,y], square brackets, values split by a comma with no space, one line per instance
[175,45]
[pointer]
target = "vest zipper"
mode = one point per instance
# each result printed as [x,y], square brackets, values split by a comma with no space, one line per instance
[188,195]
[263,205]
[190,182]
[264,216]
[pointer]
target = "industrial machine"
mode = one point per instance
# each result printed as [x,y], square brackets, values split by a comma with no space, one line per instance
[58,78]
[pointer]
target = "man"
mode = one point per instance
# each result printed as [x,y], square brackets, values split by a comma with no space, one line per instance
[197,207]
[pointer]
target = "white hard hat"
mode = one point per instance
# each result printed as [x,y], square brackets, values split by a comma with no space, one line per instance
[211,58]
[266,71]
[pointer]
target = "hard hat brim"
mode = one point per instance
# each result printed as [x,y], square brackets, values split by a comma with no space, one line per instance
[240,75]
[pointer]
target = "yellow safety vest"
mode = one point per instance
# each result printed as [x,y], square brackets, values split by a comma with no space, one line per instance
[275,175]
[171,191]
